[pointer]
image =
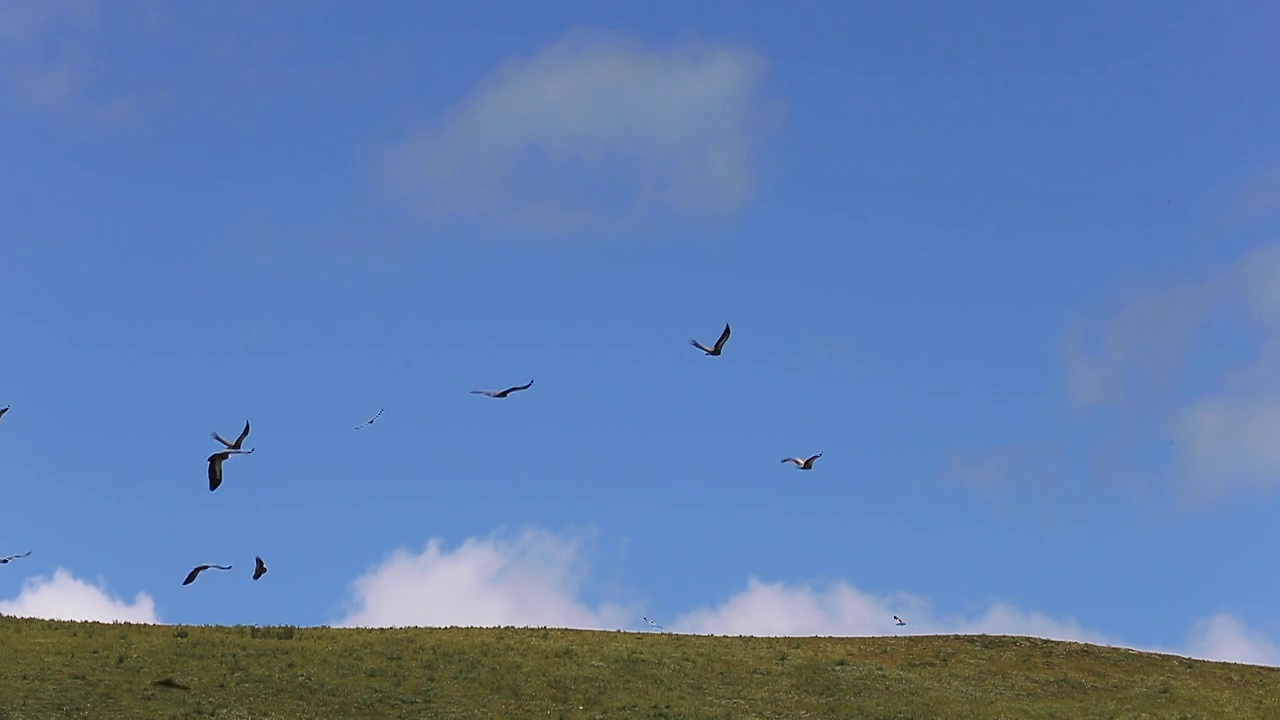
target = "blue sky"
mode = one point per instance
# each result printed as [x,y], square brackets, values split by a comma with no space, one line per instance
[1012,269]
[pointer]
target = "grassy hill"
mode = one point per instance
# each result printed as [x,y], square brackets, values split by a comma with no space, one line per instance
[94,670]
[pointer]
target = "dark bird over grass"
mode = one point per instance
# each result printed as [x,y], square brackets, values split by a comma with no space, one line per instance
[370,421]
[11,558]
[259,568]
[806,464]
[239,441]
[718,347]
[502,393]
[215,465]
[195,572]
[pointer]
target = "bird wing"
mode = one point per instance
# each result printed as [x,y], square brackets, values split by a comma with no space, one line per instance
[220,439]
[219,567]
[243,434]
[517,388]
[490,393]
[191,576]
[724,337]
[215,470]
[791,460]
[4,410]
[700,346]
[809,460]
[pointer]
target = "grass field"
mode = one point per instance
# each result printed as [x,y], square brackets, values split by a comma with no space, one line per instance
[93,670]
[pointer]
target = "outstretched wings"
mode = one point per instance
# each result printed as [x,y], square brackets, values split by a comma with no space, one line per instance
[370,421]
[259,568]
[239,440]
[7,560]
[195,572]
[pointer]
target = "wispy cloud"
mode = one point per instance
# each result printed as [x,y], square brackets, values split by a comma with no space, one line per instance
[64,597]
[594,129]
[49,63]
[538,579]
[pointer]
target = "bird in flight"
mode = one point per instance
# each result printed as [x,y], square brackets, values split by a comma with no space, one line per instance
[806,464]
[3,410]
[259,568]
[502,393]
[11,558]
[651,623]
[371,420]
[239,441]
[899,621]
[215,465]
[191,576]
[714,349]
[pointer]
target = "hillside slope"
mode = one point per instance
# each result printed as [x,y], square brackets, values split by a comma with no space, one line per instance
[63,669]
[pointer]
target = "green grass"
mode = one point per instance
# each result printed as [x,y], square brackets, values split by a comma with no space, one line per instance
[93,670]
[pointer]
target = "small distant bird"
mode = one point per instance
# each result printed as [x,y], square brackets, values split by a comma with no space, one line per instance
[3,410]
[170,683]
[191,576]
[806,464]
[239,441]
[215,465]
[651,623]
[899,620]
[718,347]
[11,558]
[371,420]
[502,393]
[259,568]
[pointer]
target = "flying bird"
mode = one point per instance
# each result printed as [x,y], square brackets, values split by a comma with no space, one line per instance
[899,620]
[502,393]
[239,441]
[191,576]
[651,623]
[259,568]
[215,465]
[7,560]
[806,464]
[3,410]
[719,346]
[370,422]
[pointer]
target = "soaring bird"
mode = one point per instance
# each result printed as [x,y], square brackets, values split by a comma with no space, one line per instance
[7,560]
[899,620]
[370,422]
[191,576]
[502,393]
[215,465]
[651,623]
[715,349]
[239,441]
[259,568]
[806,464]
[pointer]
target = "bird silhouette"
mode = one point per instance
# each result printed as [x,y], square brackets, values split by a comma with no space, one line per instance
[806,464]
[899,620]
[11,558]
[502,393]
[370,421]
[195,572]
[718,347]
[259,568]
[239,441]
[215,465]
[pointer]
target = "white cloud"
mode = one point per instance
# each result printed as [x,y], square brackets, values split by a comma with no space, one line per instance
[840,609]
[1223,637]
[536,579]
[531,580]
[593,128]
[63,597]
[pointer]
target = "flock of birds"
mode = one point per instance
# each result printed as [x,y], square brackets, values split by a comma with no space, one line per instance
[236,447]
